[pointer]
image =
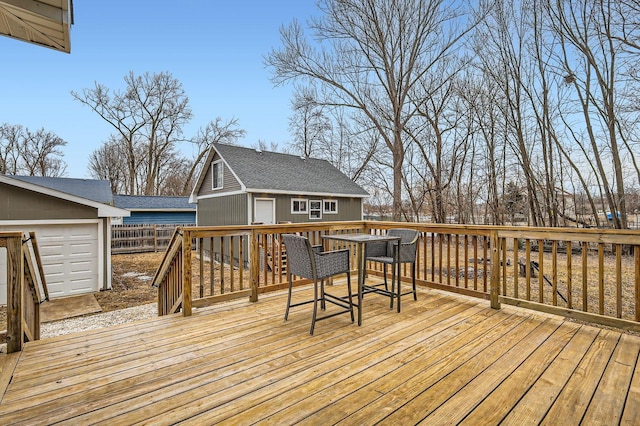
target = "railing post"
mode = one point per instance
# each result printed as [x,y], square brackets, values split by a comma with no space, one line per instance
[495,270]
[15,284]
[186,273]
[254,262]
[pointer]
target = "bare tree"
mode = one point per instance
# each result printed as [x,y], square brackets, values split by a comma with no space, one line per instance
[377,51]
[441,137]
[106,163]
[148,117]
[487,162]
[32,153]
[592,62]
[10,137]
[331,133]
[41,154]
[216,131]
[309,125]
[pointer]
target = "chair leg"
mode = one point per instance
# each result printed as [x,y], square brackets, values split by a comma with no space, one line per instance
[286,313]
[393,284]
[384,273]
[315,307]
[413,279]
[323,304]
[350,295]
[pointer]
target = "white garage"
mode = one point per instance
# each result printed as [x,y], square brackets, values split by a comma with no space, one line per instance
[71,257]
[71,219]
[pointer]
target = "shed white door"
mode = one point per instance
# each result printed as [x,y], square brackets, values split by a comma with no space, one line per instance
[265,210]
[70,256]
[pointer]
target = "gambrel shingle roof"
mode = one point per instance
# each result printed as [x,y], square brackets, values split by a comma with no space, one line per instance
[273,172]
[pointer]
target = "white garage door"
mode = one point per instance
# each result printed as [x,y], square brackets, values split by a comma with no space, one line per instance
[70,256]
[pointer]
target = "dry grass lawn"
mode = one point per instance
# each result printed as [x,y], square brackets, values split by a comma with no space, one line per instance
[131,281]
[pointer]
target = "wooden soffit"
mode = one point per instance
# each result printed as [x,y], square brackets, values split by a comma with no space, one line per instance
[42,22]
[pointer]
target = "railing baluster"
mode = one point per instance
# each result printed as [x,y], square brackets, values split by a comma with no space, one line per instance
[619,280]
[440,266]
[466,261]
[541,271]
[433,256]
[221,263]
[457,259]
[241,261]
[231,262]
[516,268]
[265,259]
[569,276]
[448,236]
[475,262]
[504,265]
[585,299]
[485,257]
[528,267]
[554,273]
[201,252]
[601,278]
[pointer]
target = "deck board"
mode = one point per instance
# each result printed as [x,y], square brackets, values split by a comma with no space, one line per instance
[446,359]
[543,383]
[617,375]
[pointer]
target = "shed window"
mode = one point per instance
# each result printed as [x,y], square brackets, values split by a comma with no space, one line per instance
[299,206]
[330,206]
[217,169]
[315,209]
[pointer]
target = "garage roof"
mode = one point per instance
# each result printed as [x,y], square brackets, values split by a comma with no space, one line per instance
[153,202]
[43,22]
[88,192]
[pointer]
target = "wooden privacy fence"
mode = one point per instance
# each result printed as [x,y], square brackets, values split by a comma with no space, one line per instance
[26,288]
[588,274]
[139,238]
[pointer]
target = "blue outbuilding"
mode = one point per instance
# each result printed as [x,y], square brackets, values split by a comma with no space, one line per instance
[146,209]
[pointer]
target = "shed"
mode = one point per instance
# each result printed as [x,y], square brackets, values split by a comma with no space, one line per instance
[240,186]
[156,210]
[72,221]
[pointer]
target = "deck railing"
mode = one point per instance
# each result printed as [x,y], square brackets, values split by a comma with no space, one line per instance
[587,274]
[26,288]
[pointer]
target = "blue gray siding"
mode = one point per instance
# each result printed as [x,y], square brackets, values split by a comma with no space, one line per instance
[174,218]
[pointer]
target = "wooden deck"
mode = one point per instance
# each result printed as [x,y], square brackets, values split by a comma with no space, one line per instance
[445,359]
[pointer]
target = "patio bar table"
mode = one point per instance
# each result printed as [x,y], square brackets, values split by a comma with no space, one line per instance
[361,240]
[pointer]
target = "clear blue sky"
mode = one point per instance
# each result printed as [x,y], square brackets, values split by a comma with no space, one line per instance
[214,48]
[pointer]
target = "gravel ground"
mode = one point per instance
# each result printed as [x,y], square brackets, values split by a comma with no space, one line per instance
[94,321]
[91,322]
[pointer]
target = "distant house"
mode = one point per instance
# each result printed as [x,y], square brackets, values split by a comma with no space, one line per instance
[241,186]
[156,209]
[72,222]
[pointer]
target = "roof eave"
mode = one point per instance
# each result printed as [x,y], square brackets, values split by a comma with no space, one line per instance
[306,194]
